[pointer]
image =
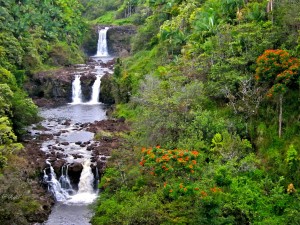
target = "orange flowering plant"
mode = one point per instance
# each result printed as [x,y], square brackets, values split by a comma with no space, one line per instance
[277,69]
[165,162]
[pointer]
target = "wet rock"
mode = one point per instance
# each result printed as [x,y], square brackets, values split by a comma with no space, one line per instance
[101,166]
[74,171]
[52,159]
[60,155]
[67,123]
[94,159]
[57,165]
[89,148]
[77,156]
[65,143]
[75,167]
[78,142]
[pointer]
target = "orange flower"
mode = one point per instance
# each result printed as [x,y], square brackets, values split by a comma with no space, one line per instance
[203,194]
[171,190]
[196,189]
[165,184]
[180,185]
[181,160]
[195,153]
[215,189]
[142,163]
[194,162]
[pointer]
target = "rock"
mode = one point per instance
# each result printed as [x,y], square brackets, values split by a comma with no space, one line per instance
[57,165]
[74,171]
[118,39]
[65,143]
[94,159]
[75,167]
[51,159]
[106,95]
[89,148]
[101,166]
[67,123]
[78,142]
[77,156]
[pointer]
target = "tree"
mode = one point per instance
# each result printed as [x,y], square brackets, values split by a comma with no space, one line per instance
[278,71]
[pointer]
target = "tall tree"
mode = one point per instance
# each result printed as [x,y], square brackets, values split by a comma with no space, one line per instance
[278,71]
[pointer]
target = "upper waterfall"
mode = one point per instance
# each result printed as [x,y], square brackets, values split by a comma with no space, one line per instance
[102,43]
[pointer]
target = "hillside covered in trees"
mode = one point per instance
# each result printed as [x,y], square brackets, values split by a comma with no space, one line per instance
[211,93]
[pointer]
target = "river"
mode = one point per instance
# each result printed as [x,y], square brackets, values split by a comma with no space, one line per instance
[72,167]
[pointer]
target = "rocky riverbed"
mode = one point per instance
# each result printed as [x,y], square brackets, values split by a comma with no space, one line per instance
[107,138]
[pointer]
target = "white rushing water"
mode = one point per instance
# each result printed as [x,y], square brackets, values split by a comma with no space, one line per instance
[55,186]
[102,43]
[86,193]
[76,90]
[96,90]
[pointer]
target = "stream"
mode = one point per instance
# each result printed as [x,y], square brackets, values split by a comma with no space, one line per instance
[71,174]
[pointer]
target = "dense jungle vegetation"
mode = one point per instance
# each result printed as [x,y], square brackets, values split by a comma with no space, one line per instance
[211,92]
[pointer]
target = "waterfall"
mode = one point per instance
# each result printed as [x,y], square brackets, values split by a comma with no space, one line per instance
[54,186]
[64,180]
[86,193]
[76,90]
[102,43]
[62,189]
[86,179]
[96,90]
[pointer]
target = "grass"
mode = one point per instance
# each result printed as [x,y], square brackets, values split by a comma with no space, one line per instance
[109,19]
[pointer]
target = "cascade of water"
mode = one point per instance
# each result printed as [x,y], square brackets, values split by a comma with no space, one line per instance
[64,180]
[86,179]
[96,90]
[102,43]
[86,193]
[54,185]
[76,90]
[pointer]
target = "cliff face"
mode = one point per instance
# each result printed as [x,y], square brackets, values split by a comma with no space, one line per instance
[118,39]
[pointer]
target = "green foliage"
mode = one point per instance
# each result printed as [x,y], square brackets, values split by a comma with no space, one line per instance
[189,85]
[63,54]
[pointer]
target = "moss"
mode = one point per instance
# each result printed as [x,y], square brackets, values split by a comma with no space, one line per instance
[103,135]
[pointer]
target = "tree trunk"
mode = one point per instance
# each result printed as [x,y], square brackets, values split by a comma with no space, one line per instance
[280,116]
